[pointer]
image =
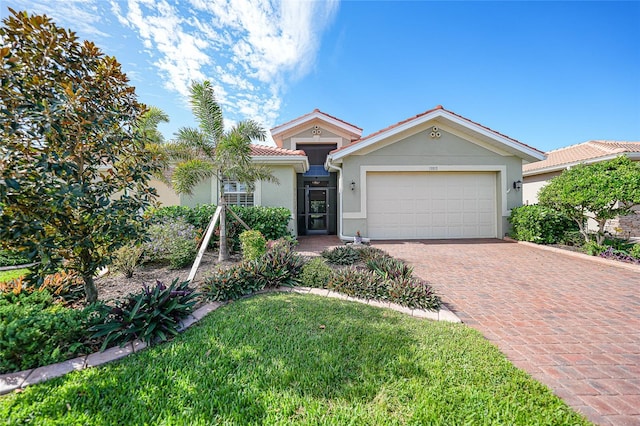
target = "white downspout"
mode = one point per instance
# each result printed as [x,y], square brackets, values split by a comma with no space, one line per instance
[343,237]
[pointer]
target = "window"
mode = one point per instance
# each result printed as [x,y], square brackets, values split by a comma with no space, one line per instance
[237,194]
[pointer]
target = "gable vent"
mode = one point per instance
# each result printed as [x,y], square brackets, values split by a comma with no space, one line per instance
[316,130]
[435,133]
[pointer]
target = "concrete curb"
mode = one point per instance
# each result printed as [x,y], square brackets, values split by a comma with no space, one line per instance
[21,379]
[597,259]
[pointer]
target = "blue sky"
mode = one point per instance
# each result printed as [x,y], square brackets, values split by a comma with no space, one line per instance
[549,74]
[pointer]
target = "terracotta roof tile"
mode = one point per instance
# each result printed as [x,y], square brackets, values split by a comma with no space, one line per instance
[264,150]
[583,152]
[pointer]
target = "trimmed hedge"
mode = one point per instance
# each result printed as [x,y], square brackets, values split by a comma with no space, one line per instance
[272,222]
[539,224]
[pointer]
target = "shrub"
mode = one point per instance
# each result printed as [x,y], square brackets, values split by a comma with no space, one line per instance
[253,244]
[572,238]
[358,282]
[620,255]
[368,252]
[10,258]
[152,315]
[343,255]
[593,249]
[635,251]
[389,268]
[539,224]
[413,293]
[231,283]
[36,331]
[316,273]
[183,253]
[173,241]
[272,222]
[67,286]
[279,266]
[126,259]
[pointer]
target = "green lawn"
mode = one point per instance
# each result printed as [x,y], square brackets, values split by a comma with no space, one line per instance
[289,358]
[9,275]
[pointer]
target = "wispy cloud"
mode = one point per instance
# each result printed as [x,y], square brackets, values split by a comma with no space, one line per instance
[81,15]
[249,49]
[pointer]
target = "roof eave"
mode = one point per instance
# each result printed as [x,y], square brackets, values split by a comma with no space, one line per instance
[559,167]
[299,162]
[312,116]
[525,152]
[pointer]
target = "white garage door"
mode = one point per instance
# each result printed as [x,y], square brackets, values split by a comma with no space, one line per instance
[405,205]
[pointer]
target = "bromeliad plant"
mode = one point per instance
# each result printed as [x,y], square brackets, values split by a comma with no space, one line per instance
[152,315]
[344,255]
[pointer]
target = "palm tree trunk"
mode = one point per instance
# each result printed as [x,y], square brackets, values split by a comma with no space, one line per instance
[224,249]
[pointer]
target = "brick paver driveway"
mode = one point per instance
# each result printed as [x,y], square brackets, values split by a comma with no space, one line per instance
[572,323]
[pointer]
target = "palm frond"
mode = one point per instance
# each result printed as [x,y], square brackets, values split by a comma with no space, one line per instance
[148,123]
[250,129]
[190,173]
[207,110]
[179,151]
[195,138]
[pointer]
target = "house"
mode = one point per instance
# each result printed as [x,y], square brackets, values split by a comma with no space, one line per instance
[435,175]
[536,175]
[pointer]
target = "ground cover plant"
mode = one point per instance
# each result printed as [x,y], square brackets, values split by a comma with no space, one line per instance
[371,273]
[300,359]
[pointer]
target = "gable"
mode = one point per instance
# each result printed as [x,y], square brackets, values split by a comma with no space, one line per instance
[442,121]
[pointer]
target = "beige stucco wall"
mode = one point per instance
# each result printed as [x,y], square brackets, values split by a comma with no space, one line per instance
[326,136]
[270,194]
[532,184]
[421,150]
[166,195]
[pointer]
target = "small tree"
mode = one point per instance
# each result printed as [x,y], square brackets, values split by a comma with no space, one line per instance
[73,164]
[600,191]
[213,152]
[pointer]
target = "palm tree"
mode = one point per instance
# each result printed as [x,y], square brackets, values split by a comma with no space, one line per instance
[210,151]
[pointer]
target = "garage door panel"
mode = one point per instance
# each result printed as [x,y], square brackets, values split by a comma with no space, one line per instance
[431,205]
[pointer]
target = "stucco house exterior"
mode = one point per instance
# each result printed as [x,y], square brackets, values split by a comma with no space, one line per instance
[434,175]
[537,175]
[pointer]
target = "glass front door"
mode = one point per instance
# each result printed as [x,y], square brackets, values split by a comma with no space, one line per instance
[317,210]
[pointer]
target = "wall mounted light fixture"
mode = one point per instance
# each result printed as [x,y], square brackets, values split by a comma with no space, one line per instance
[517,185]
[353,185]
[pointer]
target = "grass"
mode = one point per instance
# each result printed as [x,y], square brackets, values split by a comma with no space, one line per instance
[9,275]
[294,359]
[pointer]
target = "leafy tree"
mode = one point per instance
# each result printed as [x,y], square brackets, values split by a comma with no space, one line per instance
[73,163]
[210,151]
[600,191]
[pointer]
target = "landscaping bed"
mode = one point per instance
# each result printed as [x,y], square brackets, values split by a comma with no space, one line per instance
[301,359]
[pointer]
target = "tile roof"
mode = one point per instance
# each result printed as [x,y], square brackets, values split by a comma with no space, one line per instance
[264,150]
[585,151]
[315,111]
[438,107]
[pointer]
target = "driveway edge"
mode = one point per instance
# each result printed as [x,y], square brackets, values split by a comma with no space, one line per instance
[577,255]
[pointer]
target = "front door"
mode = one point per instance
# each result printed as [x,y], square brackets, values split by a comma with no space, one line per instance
[317,203]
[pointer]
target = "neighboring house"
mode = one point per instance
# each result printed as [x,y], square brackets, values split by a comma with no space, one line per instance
[536,175]
[435,175]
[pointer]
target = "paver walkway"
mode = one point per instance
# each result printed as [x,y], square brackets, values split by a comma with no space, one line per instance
[572,323]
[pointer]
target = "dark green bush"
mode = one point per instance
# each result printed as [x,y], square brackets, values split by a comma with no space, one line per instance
[389,268]
[539,224]
[369,252]
[272,222]
[357,282]
[9,258]
[343,255]
[35,331]
[253,244]
[413,293]
[593,249]
[152,315]
[316,273]
[279,266]
[171,240]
